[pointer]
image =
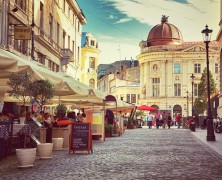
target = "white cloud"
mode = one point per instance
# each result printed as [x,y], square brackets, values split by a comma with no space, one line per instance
[189,18]
[122,20]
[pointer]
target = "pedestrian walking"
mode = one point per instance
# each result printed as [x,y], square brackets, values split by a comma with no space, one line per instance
[178,120]
[157,118]
[164,119]
[145,120]
[149,120]
[169,119]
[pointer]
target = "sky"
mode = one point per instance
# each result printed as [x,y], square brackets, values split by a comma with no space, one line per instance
[120,25]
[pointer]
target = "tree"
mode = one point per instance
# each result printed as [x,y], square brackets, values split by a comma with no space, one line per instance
[20,84]
[42,91]
[200,103]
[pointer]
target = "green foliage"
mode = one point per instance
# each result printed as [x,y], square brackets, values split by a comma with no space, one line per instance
[139,113]
[42,90]
[109,128]
[20,84]
[60,110]
[200,104]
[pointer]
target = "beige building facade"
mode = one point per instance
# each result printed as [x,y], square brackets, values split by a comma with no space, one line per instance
[219,39]
[166,66]
[56,28]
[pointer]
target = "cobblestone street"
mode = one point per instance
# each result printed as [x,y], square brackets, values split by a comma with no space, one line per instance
[137,154]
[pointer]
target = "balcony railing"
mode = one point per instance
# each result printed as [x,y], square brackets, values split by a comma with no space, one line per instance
[67,54]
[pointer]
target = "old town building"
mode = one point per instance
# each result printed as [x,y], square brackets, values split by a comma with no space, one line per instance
[167,63]
[219,38]
[121,79]
[89,62]
[53,32]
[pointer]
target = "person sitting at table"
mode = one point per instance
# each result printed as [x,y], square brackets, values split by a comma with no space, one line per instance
[72,116]
[83,118]
[48,123]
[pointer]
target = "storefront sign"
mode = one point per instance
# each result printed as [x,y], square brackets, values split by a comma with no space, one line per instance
[81,137]
[22,32]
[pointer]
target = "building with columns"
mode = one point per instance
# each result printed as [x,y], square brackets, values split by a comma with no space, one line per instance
[167,63]
[219,38]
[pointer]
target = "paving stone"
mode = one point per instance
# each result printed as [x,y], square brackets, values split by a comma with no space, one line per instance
[137,154]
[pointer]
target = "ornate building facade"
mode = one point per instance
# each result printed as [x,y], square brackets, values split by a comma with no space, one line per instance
[166,66]
[89,62]
[56,28]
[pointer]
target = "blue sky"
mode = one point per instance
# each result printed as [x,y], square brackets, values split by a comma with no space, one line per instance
[120,25]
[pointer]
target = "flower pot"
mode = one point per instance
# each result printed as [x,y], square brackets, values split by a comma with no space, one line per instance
[45,150]
[26,157]
[57,143]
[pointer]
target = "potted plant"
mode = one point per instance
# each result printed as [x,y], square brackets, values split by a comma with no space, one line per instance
[42,91]
[108,130]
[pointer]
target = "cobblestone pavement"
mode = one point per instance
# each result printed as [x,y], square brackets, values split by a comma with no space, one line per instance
[137,154]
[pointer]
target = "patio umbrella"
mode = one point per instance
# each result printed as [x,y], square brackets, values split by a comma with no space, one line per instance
[146,108]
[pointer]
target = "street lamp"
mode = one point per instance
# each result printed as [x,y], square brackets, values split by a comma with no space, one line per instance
[187,103]
[192,80]
[210,130]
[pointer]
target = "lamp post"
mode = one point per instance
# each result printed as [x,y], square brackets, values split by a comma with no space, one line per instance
[210,130]
[192,80]
[187,103]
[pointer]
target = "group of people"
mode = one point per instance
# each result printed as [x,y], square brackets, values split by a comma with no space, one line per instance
[162,119]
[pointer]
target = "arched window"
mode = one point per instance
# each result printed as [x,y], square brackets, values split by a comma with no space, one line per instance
[92,83]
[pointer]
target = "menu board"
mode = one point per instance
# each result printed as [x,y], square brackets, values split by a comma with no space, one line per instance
[80,137]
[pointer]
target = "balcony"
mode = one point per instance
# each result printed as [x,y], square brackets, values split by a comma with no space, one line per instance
[67,55]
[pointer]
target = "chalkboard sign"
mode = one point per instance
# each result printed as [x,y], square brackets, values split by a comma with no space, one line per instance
[80,137]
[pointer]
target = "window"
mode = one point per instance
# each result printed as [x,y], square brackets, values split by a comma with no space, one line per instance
[216,68]
[50,26]
[197,68]
[195,89]
[92,62]
[133,98]
[73,46]
[78,55]
[41,15]
[156,87]
[68,42]
[155,67]
[177,68]
[177,89]
[58,30]
[64,38]
[21,46]
[21,4]
[41,58]
[92,43]
[128,98]
[92,83]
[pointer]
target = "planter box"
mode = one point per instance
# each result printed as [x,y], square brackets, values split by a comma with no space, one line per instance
[57,143]
[45,150]
[26,157]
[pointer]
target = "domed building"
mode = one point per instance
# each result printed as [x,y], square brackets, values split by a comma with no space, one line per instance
[167,63]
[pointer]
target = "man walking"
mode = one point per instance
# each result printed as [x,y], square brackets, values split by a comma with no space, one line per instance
[149,120]
[157,118]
